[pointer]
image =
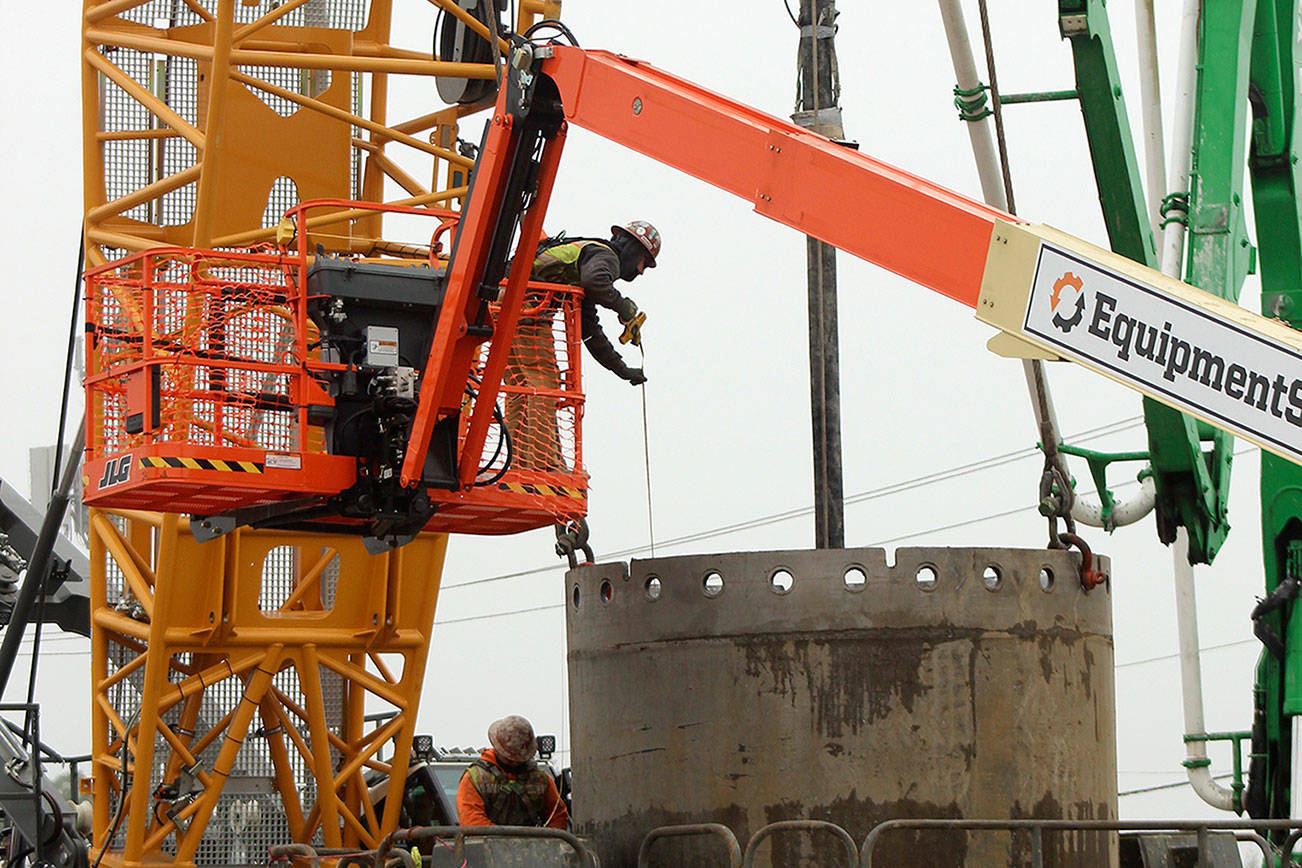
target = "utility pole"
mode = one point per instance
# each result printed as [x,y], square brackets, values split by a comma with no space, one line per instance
[818,109]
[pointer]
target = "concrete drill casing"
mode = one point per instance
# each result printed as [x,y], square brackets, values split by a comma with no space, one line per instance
[854,703]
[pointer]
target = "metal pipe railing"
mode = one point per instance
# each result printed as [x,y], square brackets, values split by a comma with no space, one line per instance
[692,829]
[1037,828]
[460,833]
[765,832]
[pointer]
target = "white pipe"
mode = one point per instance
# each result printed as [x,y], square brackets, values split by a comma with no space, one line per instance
[965,73]
[1090,512]
[1295,792]
[1150,94]
[992,188]
[1172,250]
[1191,679]
[1172,254]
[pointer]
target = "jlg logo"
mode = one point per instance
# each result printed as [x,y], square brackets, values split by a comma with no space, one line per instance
[116,471]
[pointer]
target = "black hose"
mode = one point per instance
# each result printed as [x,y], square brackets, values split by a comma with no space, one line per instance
[38,565]
[504,440]
[554,25]
[342,426]
[492,459]
[438,21]
[67,367]
[122,802]
[1285,592]
[29,717]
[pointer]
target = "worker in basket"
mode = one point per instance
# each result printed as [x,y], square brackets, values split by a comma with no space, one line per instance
[532,376]
[505,787]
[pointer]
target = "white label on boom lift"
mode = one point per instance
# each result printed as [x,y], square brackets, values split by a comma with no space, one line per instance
[1165,346]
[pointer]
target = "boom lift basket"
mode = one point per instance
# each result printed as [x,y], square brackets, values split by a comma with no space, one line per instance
[219,382]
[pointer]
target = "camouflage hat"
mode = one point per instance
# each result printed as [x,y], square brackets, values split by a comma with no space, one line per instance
[512,739]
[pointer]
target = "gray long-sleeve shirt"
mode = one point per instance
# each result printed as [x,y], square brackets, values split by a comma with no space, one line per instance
[598,271]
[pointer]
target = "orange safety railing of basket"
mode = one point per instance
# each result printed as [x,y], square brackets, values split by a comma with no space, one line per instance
[201,367]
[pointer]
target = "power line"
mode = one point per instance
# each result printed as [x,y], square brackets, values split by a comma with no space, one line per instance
[438,623]
[988,463]
[965,523]
[57,653]
[1202,650]
[1171,786]
[954,526]
[959,524]
[928,479]
[887,541]
[59,637]
[861,497]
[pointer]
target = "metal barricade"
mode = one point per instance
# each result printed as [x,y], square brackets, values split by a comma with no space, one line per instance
[852,853]
[1037,828]
[459,834]
[716,830]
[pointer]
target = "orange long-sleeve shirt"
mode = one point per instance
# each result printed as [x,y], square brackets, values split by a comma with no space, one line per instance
[470,804]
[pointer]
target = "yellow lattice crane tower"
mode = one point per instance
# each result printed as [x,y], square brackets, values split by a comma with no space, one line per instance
[263,655]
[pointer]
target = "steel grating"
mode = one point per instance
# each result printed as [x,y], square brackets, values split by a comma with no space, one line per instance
[249,817]
[132,164]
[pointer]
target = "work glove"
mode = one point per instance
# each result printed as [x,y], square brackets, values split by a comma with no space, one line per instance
[635,376]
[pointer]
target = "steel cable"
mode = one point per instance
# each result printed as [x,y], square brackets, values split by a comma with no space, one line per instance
[646,457]
[67,368]
[996,106]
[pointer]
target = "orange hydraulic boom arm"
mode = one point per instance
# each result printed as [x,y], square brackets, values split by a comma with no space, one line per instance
[830,191]
[1054,296]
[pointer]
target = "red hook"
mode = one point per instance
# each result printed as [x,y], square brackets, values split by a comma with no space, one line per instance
[1090,578]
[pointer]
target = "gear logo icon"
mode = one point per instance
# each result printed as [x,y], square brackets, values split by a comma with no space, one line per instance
[1068,307]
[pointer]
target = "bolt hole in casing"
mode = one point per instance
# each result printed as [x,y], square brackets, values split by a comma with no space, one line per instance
[746,688]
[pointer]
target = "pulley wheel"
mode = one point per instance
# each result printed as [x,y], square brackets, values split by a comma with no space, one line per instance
[457,43]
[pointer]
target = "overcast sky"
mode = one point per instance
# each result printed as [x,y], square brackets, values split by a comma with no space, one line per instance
[726,357]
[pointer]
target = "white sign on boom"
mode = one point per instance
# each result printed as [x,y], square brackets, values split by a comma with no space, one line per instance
[1185,348]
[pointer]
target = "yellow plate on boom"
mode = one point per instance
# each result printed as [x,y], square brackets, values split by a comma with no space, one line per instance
[1055,296]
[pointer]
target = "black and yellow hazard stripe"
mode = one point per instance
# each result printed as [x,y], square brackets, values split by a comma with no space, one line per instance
[202,464]
[544,490]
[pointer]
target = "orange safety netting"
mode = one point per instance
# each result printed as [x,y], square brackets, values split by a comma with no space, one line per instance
[541,393]
[192,348]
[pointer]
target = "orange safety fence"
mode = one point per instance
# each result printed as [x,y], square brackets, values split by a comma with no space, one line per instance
[202,367]
[195,348]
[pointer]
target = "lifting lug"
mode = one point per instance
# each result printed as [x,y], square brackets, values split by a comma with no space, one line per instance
[1090,578]
[571,538]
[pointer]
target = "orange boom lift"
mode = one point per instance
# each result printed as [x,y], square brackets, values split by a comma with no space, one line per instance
[419,462]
